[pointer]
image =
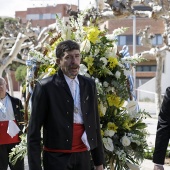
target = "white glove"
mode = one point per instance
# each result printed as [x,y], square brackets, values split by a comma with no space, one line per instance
[13,129]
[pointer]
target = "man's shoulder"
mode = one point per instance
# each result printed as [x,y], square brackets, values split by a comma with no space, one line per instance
[46,80]
[88,79]
[13,98]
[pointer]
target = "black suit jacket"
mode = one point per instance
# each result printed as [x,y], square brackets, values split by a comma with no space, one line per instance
[18,111]
[52,108]
[163,130]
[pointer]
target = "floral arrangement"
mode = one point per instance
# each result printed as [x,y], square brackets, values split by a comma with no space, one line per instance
[122,128]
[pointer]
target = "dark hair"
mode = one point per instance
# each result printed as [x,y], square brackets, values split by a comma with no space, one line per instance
[64,46]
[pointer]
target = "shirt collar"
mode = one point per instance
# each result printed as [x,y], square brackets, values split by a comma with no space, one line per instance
[68,80]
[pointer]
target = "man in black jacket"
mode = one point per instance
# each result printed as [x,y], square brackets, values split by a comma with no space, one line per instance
[11,114]
[65,105]
[163,133]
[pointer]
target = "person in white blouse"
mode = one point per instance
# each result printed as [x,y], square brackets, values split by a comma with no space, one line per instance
[65,105]
[11,114]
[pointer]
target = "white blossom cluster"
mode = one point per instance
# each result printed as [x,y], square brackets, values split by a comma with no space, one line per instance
[121,155]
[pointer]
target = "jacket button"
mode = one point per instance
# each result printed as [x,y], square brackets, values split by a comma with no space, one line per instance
[67,140]
[68,101]
[68,126]
[86,113]
[89,126]
[67,113]
[91,138]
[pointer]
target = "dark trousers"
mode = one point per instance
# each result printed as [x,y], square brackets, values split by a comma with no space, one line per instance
[4,158]
[67,161]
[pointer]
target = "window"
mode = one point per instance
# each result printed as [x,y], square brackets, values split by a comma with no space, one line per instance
[157,40]
[53,16]
[42,16]
[32,17]
[138,40]
[127,40]
[146,68]
[46,16]
[122,40]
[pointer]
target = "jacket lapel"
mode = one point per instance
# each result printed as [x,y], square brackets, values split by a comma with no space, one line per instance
[60,80]
[83,91]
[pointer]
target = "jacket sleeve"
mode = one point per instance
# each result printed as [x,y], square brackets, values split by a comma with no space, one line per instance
[163,130]
[21,116]
[98,152]
[38,110]
[18,112]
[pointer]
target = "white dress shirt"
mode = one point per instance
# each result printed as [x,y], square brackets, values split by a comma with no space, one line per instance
[75,90]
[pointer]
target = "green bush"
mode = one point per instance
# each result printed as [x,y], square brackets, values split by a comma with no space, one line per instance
[21,73]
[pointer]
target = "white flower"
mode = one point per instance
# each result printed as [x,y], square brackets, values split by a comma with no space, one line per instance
[119,31]
[131,106]
[105,84]
[102,108]
[110,37]
[83,69]
[109,133]
[104,60]
[121,154]
[108,144]
[125,141]
[66,32]
[117,74]
[110,89]
[85,46]
[127,72]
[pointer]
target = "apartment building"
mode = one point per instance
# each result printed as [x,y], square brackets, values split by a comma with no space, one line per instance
[44,16]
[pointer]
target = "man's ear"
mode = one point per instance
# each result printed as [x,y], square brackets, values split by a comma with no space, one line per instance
[58,61]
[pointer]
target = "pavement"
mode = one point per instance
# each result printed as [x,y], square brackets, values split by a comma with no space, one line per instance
[151,128]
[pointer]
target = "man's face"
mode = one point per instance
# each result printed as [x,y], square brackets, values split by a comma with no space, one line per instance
[2,88]
[70,63]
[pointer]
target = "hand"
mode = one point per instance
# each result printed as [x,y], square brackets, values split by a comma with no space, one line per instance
[100,167]
[158,167]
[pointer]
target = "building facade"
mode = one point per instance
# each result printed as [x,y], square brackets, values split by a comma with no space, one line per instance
[44,16]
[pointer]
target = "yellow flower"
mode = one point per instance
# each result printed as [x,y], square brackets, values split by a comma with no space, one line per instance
[89,60]
[126,125]
[114,100]
[112,126]
[113,62]
[91,70]
[102,133]
[50,71]
[92,33]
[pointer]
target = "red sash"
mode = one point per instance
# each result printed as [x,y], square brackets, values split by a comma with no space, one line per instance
[77,144]
[5,138]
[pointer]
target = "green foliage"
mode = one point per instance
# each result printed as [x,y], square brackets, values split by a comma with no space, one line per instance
[6,19]
[20,73]
[19,151]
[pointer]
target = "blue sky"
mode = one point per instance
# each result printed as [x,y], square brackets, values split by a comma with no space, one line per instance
[8,7]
